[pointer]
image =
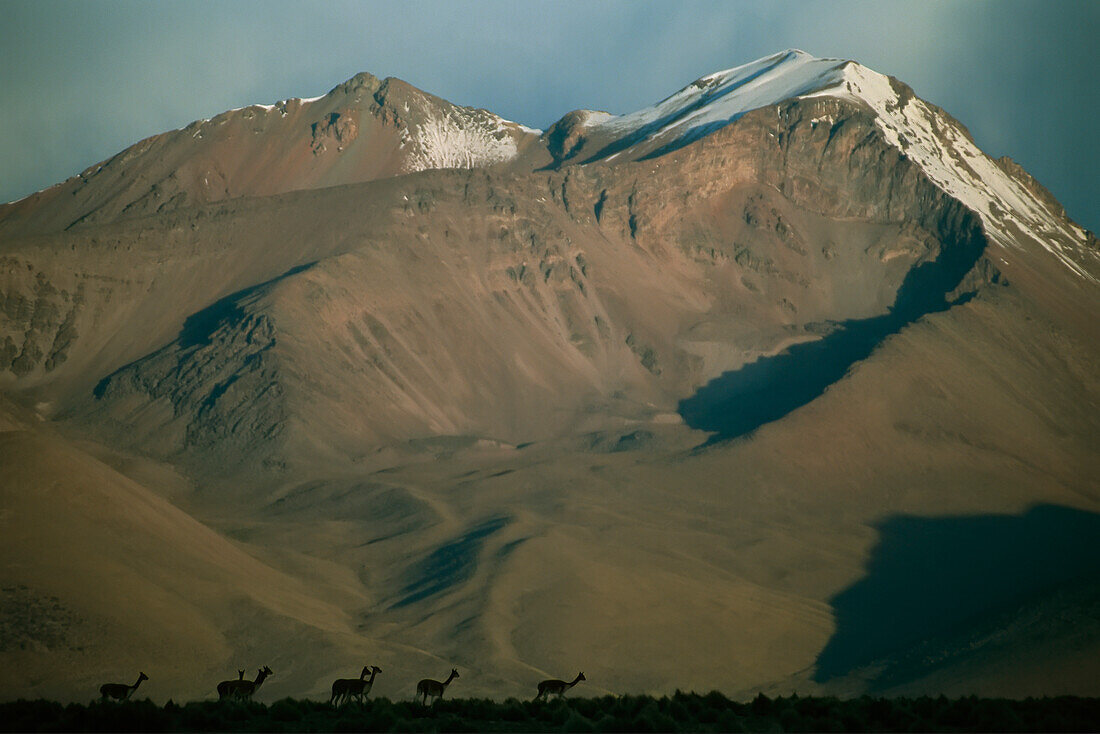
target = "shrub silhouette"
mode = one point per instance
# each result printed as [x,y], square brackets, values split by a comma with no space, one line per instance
[680,712]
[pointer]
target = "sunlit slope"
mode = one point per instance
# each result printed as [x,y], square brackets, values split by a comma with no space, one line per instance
[102,577]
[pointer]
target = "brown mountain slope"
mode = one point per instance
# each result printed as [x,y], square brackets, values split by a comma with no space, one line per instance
[643,279]
[364,129]
[103,577]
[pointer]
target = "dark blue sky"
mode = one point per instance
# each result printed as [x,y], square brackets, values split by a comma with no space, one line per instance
[79,81]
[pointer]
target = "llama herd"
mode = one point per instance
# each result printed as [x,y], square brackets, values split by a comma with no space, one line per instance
[344,690]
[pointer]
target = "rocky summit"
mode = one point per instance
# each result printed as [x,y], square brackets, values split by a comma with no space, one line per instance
[780,384]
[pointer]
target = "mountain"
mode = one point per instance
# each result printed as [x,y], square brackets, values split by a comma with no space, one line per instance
[660,395]
[363,129]
[1009,201]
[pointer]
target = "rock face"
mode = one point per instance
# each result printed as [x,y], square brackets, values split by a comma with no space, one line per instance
[453,369]
[339,129]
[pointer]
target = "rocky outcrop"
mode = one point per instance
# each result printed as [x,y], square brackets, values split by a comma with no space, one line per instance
[337,129]
[38,324]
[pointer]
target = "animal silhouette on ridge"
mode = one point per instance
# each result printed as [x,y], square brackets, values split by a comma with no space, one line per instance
[433,688]
[553,686]
[344,689]
[121,691]
[243,689]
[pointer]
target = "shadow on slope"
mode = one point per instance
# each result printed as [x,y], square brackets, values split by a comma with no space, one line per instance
[450,564]
[199,328]
[738,402]
[942,579]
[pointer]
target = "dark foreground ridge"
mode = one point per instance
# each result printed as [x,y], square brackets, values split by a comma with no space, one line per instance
[679,712]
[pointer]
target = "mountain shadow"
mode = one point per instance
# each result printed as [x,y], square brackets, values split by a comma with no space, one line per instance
[199,328]
[738,402]
[450,564]
[935,587]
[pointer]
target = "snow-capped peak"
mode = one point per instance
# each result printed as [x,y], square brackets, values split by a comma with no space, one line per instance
[717,99]
[949,158]
[935,142]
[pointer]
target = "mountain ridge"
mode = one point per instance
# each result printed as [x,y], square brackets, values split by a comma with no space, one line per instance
[363,129]
[467,137]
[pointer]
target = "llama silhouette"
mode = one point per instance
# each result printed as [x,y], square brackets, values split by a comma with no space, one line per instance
[121,691]
[555,687]
[433,688]
[243,689]
[344,689]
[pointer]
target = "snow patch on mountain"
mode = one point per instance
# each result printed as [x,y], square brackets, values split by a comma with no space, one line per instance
[454,140]
[595,117]
[938,145]
[718,99]
[529,130]
[947,155]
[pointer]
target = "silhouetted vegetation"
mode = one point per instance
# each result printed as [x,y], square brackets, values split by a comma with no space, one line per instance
[679,712]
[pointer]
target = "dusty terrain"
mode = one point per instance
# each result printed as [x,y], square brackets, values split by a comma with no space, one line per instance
[438,414]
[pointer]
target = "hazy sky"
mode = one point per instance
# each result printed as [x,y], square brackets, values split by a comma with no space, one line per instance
[81,80]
